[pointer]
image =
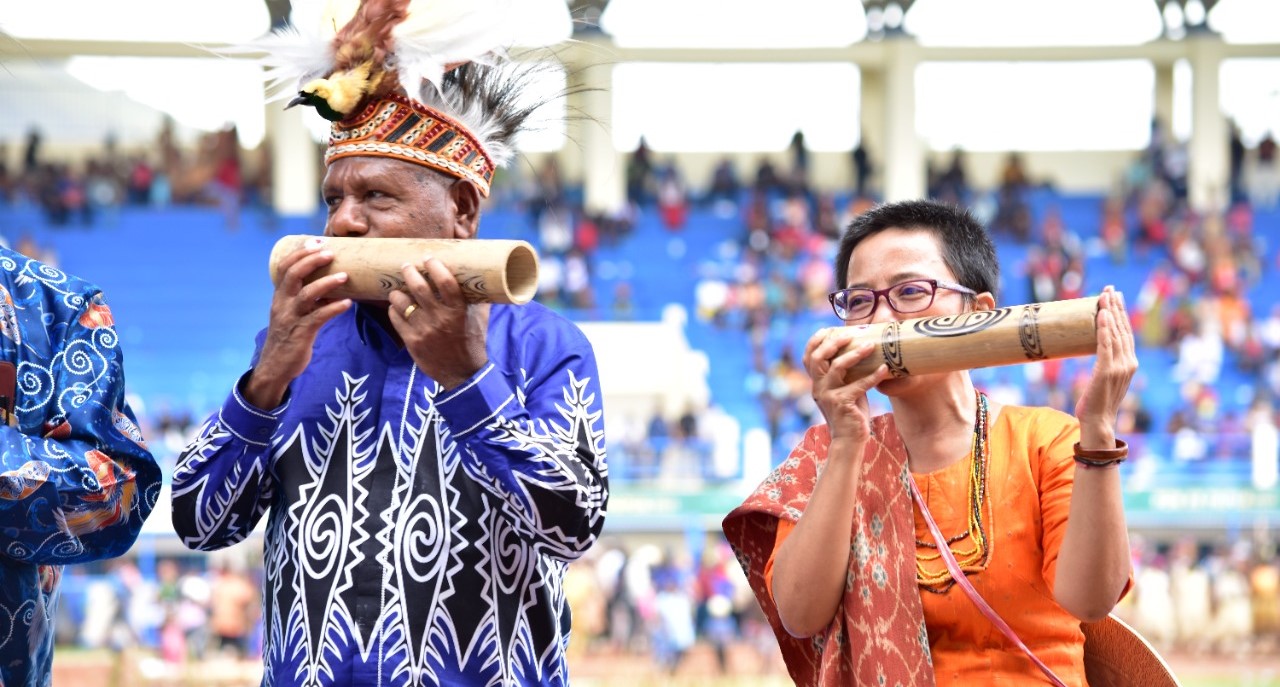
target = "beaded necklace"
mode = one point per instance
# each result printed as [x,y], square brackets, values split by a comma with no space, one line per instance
[975,558]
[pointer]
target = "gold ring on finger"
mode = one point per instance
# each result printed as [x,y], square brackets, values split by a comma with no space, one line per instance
[409,310]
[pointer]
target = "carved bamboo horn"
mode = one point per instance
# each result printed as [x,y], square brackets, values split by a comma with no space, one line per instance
[982,338]
[488,270]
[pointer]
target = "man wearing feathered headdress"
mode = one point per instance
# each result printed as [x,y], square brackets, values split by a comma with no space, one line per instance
[430,466]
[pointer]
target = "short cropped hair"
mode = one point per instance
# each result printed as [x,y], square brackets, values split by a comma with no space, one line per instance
[966,249]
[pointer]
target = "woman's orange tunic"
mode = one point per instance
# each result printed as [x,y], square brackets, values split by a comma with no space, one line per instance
[1030,479]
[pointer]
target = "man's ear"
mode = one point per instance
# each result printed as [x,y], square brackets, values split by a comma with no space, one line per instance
[984,301]
[466,207]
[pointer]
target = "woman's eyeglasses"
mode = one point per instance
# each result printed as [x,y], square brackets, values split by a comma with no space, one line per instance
[906,297]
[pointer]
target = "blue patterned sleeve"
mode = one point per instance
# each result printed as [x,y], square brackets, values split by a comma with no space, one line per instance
[222,485]
[77,479]
[535,440]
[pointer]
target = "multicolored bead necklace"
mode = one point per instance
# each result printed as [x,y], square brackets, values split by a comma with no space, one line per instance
[974,559]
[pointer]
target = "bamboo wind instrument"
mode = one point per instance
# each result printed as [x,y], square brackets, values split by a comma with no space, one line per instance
[488,270]
[981,338]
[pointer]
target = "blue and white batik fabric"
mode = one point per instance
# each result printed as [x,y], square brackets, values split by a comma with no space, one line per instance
[76,478]
[415,536]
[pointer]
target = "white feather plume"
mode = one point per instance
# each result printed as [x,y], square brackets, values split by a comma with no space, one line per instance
[477,31]
[442,33]
[474,115]
[436,35]
[299,52]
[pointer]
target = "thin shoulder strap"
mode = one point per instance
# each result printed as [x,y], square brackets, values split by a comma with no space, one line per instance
[961,579]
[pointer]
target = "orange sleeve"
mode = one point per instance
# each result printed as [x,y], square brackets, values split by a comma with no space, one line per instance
[785,528]
[1057,476]
[1054,448]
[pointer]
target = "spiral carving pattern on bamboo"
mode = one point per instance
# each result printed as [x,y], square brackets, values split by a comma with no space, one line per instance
[891,349]
[1029,332]
[961,324]
[475,289]
[389,283]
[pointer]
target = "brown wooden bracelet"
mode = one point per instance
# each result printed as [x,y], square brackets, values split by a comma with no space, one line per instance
[1104,455]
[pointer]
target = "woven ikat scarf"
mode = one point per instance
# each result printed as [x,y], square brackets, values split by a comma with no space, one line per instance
[878,636]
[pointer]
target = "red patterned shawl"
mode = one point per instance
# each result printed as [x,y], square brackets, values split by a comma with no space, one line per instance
[878,635]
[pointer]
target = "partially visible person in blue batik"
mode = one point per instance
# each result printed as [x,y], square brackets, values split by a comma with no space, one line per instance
[76,478]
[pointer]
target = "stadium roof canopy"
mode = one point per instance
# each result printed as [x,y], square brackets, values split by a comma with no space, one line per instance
[129,46]
[696,23]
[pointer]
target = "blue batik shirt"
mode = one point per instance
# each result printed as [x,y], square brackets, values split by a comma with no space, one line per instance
[77,479]
[415,536]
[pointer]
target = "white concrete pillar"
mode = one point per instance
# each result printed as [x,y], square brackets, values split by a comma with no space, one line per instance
[1163,95]
[1208,176]
[872,111]
[571,158]
[902,153]
[590,152]
[295,162]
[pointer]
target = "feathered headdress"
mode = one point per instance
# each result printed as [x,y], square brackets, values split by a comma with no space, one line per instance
[418,80]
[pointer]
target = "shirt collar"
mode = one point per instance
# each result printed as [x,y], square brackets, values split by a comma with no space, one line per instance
[368,329]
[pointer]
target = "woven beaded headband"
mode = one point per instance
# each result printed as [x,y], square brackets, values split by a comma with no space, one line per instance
[396,127]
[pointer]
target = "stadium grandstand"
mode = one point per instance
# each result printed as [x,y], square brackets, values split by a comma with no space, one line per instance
[686,199]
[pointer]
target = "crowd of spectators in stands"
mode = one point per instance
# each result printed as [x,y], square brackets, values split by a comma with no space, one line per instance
[1195,302]
[567,237]
[213,173]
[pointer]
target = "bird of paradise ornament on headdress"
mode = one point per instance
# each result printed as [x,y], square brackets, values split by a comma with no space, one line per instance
[416,80]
